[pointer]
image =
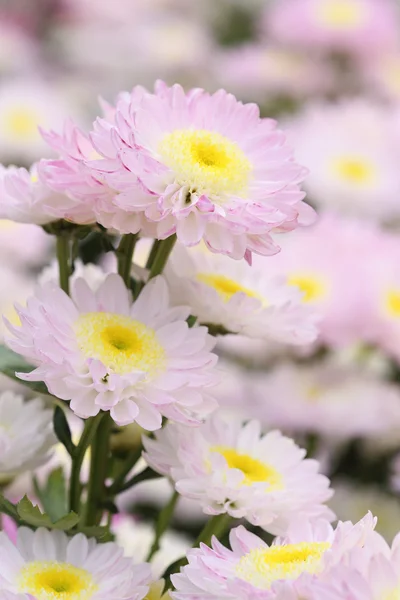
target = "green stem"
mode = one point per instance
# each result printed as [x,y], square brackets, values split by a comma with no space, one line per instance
[129,463]
[78,456]
[215,526]
[63,257]
[161,256]
[144,475]
[162,523]
[153,252]
[125,255]
[98,471]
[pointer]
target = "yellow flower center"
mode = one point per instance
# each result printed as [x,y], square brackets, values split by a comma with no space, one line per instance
[313,288]
[253,469]
[392,594]
[22,123]
[340,14]
[392,303]
[51,580]
[122,344]
[354,170]
[262,566]
[225,287]
[207,162]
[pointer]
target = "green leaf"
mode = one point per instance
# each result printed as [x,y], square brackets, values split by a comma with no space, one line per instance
[53,496]
[10,362]
[31,514]
[66,522]
[8,508]
[62,430]
[100,533]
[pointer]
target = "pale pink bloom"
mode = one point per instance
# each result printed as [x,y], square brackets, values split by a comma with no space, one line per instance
[231,468]
[101,570]
[25,198]
[336,402]
[252,569]
[351,149]
[203,166]
[266,71]
[312,260]
[355,26]
[239,298]
[18,50]
[139,361]
[24,106]
[382,73]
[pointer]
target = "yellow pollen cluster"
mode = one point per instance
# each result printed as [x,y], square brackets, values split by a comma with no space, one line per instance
[207,162]
[313,288]
[393,594]
[122,344]
[340,14]
[225,287]
[51,580]
[354,170]
[263,566]
[392,303]
[22,123]
[253,469]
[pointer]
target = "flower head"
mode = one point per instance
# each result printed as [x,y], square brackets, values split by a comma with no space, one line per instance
[139,361]
[47,564]
[203,166]
[351,149]
[26,434]
[354,26]
[252,569]
[237,297]
[231,468]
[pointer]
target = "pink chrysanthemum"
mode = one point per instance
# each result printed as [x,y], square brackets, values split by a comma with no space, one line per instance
[24,198]
[252,569]
[139,361]
[239,298]
[356,26]
[203,166]
[231,468]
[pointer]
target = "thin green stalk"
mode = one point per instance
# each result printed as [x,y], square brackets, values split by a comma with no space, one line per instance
[144,475]
[153,252]
[87,436]
[162,523]
[125,254]
[63,258]
[129,463]
[98,471]
[215,526]
[161,256]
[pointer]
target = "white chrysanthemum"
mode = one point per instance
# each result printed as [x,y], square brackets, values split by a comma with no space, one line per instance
[230,468]
[239,298]
[26,434]
[50,566]
[139,361]
[136,538]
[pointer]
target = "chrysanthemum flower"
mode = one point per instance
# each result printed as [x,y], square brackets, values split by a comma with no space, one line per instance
[24,198]
[26,434]
[205,166]
[335,401]
[239,298]
[350,148]
[355,26]
[47,564]
[24,106]
[231,468]
[252,569]
[328,283]
[139,361]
